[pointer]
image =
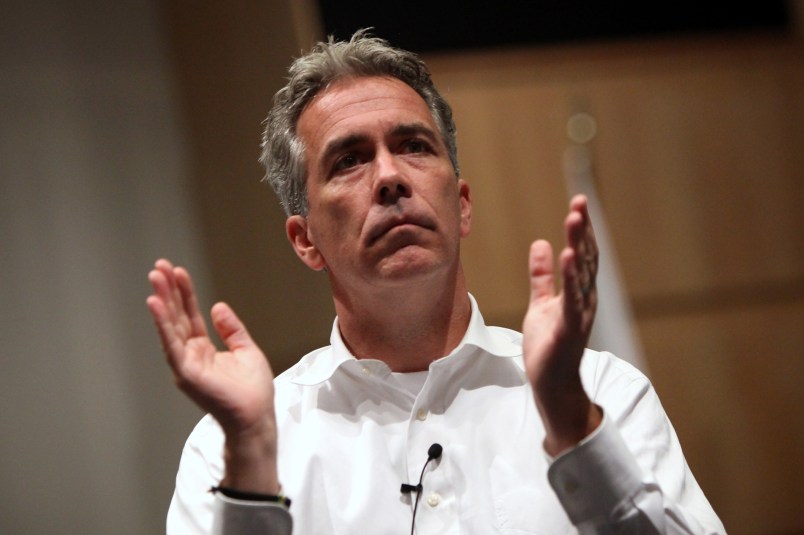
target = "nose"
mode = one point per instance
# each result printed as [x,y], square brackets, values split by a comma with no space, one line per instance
[390,183]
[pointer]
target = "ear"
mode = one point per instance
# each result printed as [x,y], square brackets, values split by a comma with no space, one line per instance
[297,231]
[466,207]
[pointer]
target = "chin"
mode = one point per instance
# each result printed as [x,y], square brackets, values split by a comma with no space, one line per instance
[410,263]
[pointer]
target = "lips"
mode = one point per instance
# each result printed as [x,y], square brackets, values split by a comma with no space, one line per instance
[386,224]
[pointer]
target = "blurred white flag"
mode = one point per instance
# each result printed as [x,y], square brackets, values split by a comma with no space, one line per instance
[614,329]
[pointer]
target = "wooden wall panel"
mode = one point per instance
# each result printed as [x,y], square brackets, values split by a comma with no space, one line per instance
[731,382]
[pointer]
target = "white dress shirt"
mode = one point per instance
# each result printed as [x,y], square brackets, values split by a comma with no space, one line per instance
[351,432]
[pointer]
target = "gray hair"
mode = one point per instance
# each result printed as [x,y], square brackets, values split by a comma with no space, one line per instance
[361,56]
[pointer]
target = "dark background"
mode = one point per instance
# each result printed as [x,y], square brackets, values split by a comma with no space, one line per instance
[460,25]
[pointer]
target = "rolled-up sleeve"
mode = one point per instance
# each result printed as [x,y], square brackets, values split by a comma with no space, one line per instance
[243,517]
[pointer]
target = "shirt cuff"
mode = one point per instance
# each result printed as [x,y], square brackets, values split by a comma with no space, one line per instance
[248,517]
[596,476]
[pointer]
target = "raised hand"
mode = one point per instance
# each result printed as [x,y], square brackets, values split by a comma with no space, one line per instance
[235,386]
[556,330]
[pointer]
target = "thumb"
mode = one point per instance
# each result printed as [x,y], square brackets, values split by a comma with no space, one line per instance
[229,327]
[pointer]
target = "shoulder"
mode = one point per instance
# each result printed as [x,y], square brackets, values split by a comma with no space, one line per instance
[306,365]
[302,365]
[201,463]
[314,368]
[601,369]
[618,386]
[206,436]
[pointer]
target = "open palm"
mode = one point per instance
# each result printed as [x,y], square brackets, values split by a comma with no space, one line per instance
[235,386]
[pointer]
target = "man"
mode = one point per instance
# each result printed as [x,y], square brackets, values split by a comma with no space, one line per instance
[534,433]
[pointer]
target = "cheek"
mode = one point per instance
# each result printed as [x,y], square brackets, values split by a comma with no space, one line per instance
[451,200]
[332,221]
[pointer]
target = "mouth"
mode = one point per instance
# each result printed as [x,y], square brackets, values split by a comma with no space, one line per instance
[388,224]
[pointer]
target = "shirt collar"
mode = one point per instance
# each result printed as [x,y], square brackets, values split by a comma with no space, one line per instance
[320,365]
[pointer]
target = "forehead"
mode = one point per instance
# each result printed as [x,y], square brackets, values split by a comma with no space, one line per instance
[360,106]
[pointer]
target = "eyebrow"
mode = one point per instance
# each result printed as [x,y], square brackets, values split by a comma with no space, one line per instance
[341,144]
[410,129]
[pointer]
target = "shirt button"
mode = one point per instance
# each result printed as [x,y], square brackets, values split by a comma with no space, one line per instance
[433,499]
[421,415]
[366,371]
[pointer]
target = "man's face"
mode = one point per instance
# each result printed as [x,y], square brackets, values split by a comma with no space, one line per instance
[384,202]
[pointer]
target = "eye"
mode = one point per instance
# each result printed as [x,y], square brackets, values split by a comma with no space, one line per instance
[415,146]
[345,162]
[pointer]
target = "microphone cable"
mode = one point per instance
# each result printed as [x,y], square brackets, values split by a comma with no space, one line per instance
[434,452]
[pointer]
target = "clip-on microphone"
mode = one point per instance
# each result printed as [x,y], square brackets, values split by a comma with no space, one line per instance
[434,452]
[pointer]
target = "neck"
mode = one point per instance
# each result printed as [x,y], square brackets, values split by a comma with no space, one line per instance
[408,326]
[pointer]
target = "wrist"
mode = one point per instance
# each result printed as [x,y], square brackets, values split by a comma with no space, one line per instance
[250,463]
[569,416]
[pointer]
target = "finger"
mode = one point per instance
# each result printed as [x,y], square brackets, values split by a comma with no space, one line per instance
[574,230]
[163,265]
[172,342]
[230,329]
[166,269]
[167,308]
[579,203]
[540,267]
[580,301]
[184,284]
[174,286]
[161,286]
[158,277]
[576,276]
[581,240]
[574,296]
[583,234]
[165,287]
